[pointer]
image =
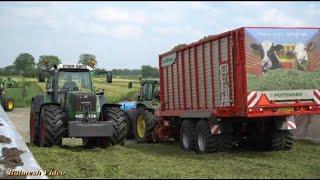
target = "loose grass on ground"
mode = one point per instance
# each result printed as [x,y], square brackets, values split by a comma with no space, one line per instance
[167,160]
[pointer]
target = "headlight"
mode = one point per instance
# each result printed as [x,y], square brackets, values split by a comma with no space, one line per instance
[79,116]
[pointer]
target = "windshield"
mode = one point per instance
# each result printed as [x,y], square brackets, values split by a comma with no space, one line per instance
[74,81]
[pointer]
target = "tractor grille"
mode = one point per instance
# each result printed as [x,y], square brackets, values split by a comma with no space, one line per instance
[83,102]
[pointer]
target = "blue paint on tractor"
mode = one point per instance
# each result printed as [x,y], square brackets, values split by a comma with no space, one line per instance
[127,105]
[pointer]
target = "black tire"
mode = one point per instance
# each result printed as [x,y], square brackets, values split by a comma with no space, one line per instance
[129,121]
[205,142]
[281,140]
[34,126]
[8,104]
[150,122]
[187,135]
[117,116]
[227,142]
[51,126]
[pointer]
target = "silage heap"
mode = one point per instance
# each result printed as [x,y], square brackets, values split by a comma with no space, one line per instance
[281,79]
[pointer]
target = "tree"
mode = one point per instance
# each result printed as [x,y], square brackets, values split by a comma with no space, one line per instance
[47,62]
[88,59]
[149,72]
[25,65]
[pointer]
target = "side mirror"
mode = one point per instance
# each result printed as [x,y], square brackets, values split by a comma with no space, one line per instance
[50,91]
[100,92]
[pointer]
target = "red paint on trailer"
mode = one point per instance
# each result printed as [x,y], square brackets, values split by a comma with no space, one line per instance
[172,89]
[183,81]
[190,77]
[204,78]
[196,73]
[212,76]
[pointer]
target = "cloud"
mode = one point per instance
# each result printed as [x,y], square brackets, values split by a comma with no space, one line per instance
[251,3]
[114,14]
[127,31]
[275,16]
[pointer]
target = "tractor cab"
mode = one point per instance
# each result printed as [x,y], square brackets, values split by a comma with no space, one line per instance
[150,90]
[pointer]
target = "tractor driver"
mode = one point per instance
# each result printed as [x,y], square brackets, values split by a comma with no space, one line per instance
[69,84]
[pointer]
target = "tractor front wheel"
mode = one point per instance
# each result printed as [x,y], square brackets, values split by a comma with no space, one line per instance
[51,126]
[8,104]
[144,125]
[117,116]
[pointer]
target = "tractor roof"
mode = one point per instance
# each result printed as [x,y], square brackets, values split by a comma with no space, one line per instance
[150,80]
[73,67]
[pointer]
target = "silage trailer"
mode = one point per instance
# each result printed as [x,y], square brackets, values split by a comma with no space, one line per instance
[210,97]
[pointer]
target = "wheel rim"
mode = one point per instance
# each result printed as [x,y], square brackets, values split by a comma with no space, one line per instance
[185,140]
[201,142]
[141,126]
[10,104]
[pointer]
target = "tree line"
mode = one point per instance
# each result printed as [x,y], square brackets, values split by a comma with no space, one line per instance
[25,65]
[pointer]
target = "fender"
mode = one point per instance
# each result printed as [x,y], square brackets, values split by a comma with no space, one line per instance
[146,105]
[287,123]
[37,102]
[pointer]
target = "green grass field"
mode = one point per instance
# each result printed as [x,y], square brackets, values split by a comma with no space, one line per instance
[167,160]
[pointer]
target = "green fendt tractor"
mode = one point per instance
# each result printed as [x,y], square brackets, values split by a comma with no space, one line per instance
[70,108]
[141,119]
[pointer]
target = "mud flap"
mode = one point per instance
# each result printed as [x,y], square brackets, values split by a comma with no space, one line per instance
[215,126]
[287,123]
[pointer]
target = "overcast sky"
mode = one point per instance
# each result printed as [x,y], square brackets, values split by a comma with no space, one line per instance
[131,34]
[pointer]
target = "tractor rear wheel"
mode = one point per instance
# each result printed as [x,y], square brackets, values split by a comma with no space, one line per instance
[188,134]
[205,141]
[117,116]
[34,127]
[51,126]
[281,140]
[144,125]
[8,104]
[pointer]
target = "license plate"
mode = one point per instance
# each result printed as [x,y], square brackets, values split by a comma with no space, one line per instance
[286,109]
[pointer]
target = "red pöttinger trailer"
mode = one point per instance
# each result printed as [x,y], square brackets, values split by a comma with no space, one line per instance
[215,92]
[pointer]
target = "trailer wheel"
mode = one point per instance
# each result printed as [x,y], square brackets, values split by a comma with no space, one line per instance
[205,141]
[281,140]
[51,126]
[144,125]
[187,135]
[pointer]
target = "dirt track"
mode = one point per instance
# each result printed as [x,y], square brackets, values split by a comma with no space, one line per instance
[20,119]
